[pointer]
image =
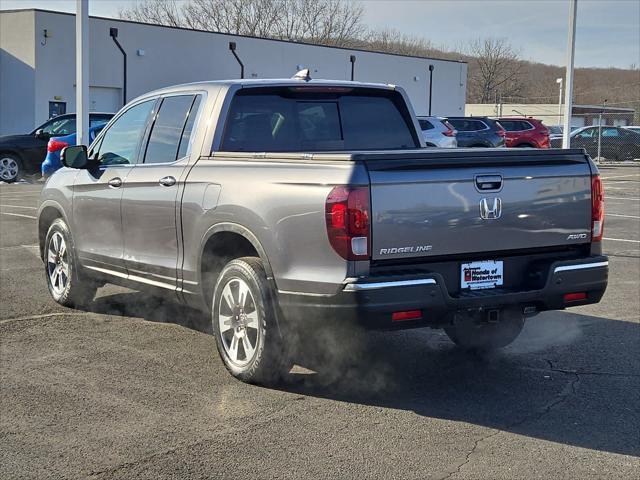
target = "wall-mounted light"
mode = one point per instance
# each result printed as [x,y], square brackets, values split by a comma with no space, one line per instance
[45,34]
[232,48]
[140,52]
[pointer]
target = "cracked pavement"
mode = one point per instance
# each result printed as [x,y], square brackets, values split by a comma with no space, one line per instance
[134,387]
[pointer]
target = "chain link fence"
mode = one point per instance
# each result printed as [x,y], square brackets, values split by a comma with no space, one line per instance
[608,132]
[605,136]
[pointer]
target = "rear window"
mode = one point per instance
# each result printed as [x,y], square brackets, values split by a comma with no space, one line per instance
[290,120]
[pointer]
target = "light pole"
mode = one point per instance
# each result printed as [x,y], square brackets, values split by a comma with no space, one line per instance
[559,82]
[568,86]
[431,67]
[604,104]
[82,72]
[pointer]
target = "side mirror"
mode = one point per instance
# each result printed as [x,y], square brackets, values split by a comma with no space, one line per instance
[74,156]
[41,135]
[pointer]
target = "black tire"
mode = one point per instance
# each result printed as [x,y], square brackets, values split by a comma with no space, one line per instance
[470,332]
[253,320]
[525,145]
[11,168]
[78,290]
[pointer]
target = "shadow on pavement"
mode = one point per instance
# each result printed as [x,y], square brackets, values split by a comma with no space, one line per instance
[569,378]
[153,309]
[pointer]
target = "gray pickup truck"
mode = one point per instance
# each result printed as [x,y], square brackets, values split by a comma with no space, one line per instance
[275,204]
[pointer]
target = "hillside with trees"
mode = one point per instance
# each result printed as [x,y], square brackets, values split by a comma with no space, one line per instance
[497,71]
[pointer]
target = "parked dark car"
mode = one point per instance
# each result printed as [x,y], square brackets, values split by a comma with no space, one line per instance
[478,132]
[524,132]
[23,154]
[616,143]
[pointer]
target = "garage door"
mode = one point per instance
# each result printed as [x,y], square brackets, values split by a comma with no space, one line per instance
[105,99]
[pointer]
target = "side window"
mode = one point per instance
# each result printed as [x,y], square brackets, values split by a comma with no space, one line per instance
[166,133]
[425,124]
[188,128]
[610,132]
[508,125]
[120,142]
[58,128]
[588,133]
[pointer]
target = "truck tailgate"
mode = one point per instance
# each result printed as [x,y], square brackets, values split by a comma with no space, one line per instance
[468,202]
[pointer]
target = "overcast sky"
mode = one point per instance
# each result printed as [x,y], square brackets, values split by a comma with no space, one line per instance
[608,31]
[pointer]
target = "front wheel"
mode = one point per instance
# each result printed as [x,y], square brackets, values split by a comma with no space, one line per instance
[66,285]
[472,331]
[244,323]
[10,168]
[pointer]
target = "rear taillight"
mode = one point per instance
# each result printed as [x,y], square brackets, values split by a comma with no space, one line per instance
[450,131]
[55,145]
[597,208]
[347,214]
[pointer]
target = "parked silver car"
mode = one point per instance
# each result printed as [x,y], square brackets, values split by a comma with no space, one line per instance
[437,132]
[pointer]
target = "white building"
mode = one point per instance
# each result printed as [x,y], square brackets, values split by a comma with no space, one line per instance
[37,65]
[552,113]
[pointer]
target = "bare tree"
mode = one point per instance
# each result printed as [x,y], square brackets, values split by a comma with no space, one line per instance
[327,22]
[495,70]
[163,12]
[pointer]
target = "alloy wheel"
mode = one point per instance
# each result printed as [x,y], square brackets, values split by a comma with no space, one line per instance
[58,263]
[238,322]
[8,168]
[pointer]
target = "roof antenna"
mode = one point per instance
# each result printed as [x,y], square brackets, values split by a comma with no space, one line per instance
[303,74]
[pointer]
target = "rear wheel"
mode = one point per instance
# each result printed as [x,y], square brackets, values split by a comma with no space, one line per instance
[10,167]
[66,284]
[472,331]
[244,323]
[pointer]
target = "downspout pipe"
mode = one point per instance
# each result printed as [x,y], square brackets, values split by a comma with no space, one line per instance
[113,33]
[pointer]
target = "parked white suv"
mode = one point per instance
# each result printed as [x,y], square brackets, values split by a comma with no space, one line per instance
[437,132]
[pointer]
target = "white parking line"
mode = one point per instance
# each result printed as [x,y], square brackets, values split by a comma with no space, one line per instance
[621,176]
[621,198]
[18,206]
[19,215]
[621,240]
[618,215]
[13,247]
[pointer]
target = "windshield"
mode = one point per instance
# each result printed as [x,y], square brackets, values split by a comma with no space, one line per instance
[295,120]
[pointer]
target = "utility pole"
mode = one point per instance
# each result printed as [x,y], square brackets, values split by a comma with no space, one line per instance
[82,72]
[568,90]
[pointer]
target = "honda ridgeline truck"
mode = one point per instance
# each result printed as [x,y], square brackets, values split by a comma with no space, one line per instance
[270,204]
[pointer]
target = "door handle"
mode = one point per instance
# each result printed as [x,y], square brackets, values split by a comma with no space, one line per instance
[115,182]
[167,181]
[488,182]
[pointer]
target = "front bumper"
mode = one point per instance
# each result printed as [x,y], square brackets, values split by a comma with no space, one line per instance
[371,302]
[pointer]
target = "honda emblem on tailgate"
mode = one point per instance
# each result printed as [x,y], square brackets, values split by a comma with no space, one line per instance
[490,209]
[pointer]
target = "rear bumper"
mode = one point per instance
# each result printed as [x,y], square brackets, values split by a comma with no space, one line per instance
[372,302]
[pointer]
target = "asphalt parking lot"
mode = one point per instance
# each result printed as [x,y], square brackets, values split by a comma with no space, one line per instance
[134,387]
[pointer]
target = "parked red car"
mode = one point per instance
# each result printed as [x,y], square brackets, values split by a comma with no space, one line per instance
[525,132]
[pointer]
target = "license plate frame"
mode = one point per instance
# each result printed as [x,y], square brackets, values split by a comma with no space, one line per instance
[481,274]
